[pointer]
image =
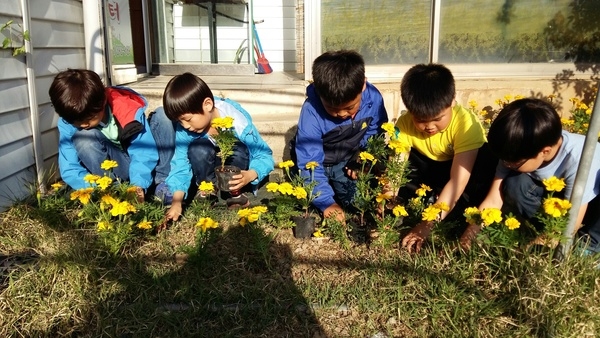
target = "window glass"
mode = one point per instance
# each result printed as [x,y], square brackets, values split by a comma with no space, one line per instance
[382,31]
[510,31]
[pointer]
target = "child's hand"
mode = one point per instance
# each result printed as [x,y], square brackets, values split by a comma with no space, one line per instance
[242,179]
[351,173]
[468,236]
[139,195]
[415,238]
[174,212]
[335,211]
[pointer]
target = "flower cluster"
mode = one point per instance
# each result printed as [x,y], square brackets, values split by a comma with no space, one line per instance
[225,137]
[579,119]
[298,187]
[251,215]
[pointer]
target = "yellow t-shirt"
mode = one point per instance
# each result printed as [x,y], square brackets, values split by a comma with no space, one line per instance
[464,133]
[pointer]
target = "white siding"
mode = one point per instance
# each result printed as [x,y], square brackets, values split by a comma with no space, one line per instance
[58,43]
[277,33]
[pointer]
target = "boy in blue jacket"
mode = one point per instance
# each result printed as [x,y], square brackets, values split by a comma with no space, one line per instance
[189,101]
[342,110]
[99,123]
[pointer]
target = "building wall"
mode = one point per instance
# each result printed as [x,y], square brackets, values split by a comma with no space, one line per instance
[276,31]
[58,43]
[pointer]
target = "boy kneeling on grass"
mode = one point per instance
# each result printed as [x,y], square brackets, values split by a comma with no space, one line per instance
[528,138]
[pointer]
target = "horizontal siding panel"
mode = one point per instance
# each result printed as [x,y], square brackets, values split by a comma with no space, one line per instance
[15,126]
[15,156]
[15,187]
[49,61]
[56,34]
[48,119]
[11,67]
[63,11]
[10,8]
[49,143]
[16,90]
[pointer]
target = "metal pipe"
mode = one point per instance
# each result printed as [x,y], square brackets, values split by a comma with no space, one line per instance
[435,31]
[33,106]
[587,156]
[93,37]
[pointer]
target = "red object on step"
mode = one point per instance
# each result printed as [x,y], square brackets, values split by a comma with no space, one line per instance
[261,61]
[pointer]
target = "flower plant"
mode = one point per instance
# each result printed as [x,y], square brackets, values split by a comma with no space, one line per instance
[303,190]
[224,138]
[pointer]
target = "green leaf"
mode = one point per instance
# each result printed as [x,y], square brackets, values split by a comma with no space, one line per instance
[6,25]
[6,43]
[26,36]
[19,51]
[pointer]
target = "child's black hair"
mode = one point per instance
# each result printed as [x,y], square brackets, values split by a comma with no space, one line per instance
[77,95]
[427,89]
[338,76]
[523,128]
[185,94]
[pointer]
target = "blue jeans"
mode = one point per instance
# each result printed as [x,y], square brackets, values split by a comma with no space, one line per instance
[343,186]
[93,148]
[203,158]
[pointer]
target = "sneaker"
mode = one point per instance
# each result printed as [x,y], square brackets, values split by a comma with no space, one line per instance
[163,194]
[240,201]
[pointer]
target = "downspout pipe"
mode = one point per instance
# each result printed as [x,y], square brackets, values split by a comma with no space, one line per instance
[93,38]
[33,105]
[587,156]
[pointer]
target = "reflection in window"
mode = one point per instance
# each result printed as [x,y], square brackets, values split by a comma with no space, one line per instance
[521,31]
[383,31]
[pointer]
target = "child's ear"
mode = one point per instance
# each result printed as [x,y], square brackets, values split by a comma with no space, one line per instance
[207,105]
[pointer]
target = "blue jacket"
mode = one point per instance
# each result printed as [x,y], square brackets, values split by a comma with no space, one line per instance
[126,106]
[328,140]
[261,155]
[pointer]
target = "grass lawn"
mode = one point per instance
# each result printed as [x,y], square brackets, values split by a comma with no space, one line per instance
[258,281]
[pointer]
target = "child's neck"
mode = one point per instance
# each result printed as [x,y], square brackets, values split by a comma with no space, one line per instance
[553,151]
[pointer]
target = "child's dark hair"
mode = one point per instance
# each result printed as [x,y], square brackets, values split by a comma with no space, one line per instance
[185,94]
[427,89]
[523,128]
[338,76]
[77,94]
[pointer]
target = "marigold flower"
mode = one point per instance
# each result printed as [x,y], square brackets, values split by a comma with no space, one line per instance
[311,165]
[108,200]
[365,156]
[253,217]
[207,187]
[556,207]
[431,213]
[286,164]
[582,106]
[222,122]
[512,223]
[318,234]
[507,97]
[389,128]
[56,186]
[399,211]
[206,223]
[442,206]
[382,197]
[422,191]
[243,213]
[104,182]
[104,226]
[91,178]
[300,193]
[132,190]
[490,216]
[286,188]
[109,164]
[575,101]
[398,146]
[473,104]
[554,184]
[566,122]
[272,187]
[145,225]
[122,208]
[260,209]
[83,195]
[472,215]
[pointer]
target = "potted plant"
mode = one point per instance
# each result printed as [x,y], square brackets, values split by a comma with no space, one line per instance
[225,139]
[302,190]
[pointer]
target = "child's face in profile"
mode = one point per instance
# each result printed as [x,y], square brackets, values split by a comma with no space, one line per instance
[436,124]
[198,122]
[345,110]
[91,122]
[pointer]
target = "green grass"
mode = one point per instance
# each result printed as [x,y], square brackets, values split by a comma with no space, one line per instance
[260,282]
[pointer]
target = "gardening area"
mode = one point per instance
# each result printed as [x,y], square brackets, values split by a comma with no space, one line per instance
[96,262]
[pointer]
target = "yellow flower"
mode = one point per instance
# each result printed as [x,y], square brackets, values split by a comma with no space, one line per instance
[554,184]
[206,187]
[206,223]
[556,207]
[259,209]
[91,178]
[512,223]
[365,156]
[300,193]
[588,111]
[145,225]
[104,226]
[83,195]
[311,165]
[107,199]
[488,121]
[382,197]
[499,102]
[422,191]
[243,213]
[399,211]
[415,201]
[272,187]
[507,97]
[518,97]
[472,215]
[318,234]
[131,190]
[122,208]
[582,106]
[222,122]
[286,188]
[398,146]
[431,213]
[109,164]
[551,97]
[253,217]
[56,186]
[483,113]
[286,164]
[574,101]
[491,216]
[389,128]
[442,206]
[566,121]
[104,182]
[473,104]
